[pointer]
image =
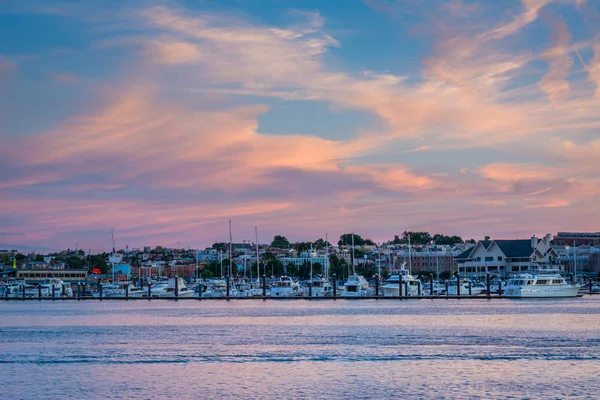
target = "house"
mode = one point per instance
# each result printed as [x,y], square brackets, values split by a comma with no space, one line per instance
[507,257]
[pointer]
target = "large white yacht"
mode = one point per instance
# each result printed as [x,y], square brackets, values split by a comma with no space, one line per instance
[356,286]
[542,284]
[392,284]
[285,286]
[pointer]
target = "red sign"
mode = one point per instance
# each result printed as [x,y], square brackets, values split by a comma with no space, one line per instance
[97,271]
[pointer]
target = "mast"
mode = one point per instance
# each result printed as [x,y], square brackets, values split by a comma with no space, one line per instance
[326,256]
[353,272]
[409,256]
[257,255]
[112,264]
[230,253]
[197,272]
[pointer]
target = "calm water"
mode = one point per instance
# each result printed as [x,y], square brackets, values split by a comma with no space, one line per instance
[299,349]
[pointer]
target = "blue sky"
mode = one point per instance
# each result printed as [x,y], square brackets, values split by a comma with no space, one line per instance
[165,119]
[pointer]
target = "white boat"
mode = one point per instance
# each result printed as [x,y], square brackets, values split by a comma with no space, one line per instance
[543,284]
[410,285]
[13,288]
[54,287]
[321,287]
[476,288]
[170,292]
[285,286]
[356,286]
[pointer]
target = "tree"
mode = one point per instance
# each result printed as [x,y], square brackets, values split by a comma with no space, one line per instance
[303,246]
[99,261]
[321,244]
[445,275]
[417,237]
[220,246]
[471,241]
[337,265]
[280,242]
[75,262]
[446,240]
[346,240]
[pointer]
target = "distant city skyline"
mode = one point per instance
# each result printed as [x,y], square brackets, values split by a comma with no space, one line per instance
[165,119]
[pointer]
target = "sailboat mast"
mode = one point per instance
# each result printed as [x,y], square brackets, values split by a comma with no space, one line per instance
[353,272]
[326,256]
[409,256]
[257,254]
[230,253]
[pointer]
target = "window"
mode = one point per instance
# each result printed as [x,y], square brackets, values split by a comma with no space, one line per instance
[515,268]
[489,259]
[499,258]
[478,258]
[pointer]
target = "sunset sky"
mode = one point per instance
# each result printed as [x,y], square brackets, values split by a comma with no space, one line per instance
[165,119]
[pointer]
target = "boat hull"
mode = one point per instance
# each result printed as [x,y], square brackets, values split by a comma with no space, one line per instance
[539,291]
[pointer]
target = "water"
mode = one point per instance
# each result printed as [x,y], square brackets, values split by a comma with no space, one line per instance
[450,349]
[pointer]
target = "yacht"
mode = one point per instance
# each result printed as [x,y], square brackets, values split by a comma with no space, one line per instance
[356,286]
[285,286]
[410,285]
[169,290]
[321,287]
[54,287]
[543,284]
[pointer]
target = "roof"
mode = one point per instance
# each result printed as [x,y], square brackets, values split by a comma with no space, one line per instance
[465,254]
[519,248]
[486,243]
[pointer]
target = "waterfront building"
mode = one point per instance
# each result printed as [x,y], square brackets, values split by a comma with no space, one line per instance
[576,239]
[38,275]
[507,257]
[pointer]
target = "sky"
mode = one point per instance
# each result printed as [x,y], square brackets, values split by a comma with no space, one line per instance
[163,120]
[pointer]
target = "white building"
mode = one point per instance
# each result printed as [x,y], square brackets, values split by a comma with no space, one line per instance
[507,257]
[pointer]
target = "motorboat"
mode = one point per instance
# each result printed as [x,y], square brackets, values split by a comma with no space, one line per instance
[175,288]
[357,286]
[285,286]
[54,287]
[540,285]
[321,287]
[410,284]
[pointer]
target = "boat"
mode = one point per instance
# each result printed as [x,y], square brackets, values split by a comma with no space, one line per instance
[356,286]
[54,287]
[285,286]
[540,285]
[170,292]
[320,287]
[392,284]
[476,288]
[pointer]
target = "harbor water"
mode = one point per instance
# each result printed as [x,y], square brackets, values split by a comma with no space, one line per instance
[377,349]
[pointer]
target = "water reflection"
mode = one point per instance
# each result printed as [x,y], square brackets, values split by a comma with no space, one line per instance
[300,349]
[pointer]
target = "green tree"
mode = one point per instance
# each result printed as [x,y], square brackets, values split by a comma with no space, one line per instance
[99,261]
[446,240]
[337,265]
[320,244]
[346,240]
[417,237]
[280,242]
[220,246]
[302,246]
[445,275]
[75,262]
